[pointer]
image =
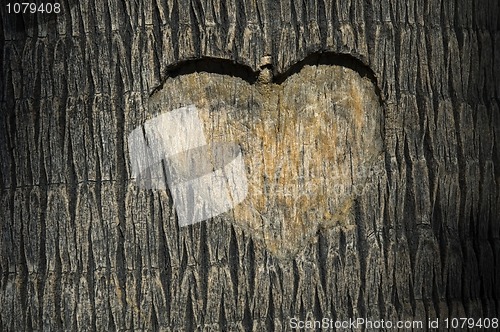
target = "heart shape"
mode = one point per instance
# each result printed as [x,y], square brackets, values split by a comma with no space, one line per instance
[309,145]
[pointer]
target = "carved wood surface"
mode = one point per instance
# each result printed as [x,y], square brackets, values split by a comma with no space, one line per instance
[83,248]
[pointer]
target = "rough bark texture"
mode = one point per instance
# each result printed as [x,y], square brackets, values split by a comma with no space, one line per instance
[83,248]
[310,145]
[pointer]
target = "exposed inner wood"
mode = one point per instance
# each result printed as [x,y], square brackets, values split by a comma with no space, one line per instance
[310,144]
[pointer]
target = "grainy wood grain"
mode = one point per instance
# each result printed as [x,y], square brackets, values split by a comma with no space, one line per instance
[310,145]
[83,249]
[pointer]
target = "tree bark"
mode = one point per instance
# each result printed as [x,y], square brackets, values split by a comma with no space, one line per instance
[84,247]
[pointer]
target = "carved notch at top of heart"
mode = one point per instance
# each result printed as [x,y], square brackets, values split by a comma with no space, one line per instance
[309,145]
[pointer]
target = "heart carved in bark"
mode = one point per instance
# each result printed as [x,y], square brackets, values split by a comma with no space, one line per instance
[309,145]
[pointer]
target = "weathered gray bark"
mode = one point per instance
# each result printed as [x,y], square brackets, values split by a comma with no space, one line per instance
[83,248]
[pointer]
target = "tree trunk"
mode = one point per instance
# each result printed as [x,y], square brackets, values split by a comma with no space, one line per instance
[370,135]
